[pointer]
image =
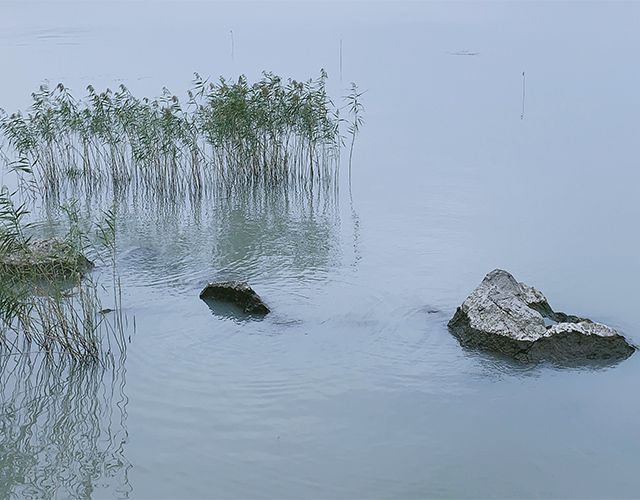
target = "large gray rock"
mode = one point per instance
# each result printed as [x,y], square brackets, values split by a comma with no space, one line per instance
[515,319]
[235,292]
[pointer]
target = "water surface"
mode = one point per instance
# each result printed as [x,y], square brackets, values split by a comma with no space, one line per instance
[353,387]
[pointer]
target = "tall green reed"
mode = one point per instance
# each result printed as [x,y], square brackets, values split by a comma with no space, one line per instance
[227,133]
[356,108]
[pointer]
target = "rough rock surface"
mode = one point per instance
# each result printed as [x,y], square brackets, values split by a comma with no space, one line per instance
[238,293]
[51,256]
[515,319]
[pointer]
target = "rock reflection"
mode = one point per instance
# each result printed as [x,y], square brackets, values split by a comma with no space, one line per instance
[231,312]
[63,429]
[495,366]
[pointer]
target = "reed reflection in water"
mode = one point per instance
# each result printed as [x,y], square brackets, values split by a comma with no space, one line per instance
[63,430]
[245,233]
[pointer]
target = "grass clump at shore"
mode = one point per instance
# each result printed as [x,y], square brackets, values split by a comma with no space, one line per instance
[23,257]
[228,133]
[48,304]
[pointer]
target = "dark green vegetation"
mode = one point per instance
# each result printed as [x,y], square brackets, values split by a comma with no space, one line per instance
[227,134]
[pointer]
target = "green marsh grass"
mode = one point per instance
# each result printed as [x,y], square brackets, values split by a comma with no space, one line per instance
[227,133]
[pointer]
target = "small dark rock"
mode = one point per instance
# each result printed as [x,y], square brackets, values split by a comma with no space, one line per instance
[238,293]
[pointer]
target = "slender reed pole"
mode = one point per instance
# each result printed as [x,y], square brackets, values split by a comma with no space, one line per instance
[341,60]
[523,95]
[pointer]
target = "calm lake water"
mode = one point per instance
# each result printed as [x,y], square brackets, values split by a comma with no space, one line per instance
[353,387]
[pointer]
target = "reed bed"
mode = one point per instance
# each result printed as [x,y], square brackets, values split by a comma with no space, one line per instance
[227,133]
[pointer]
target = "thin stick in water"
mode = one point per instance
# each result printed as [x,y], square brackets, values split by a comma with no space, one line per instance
[341,59]
[523,91]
